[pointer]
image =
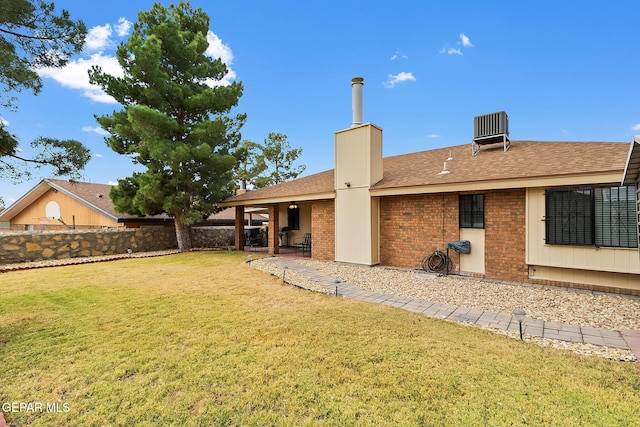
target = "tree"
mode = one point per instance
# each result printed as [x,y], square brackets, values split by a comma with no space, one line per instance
[279,157]
[174,121]
[250,163]
[32,36]
[66,157]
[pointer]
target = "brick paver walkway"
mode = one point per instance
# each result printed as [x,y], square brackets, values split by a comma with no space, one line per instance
[627,340]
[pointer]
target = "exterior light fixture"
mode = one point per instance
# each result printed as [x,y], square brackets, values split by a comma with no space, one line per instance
[336,283]
[519,315]
[450,156]
[445,170]
[293,205]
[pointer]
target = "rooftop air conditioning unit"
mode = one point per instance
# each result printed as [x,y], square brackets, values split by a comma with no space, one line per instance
[490,129]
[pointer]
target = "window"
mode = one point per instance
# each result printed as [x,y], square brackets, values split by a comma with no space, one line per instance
[615,217]
[592,216]
[472,211]
[293,217]
[569,217]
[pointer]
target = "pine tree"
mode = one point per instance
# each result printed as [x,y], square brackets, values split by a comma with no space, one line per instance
[174,121]
[33,36]
[279,157]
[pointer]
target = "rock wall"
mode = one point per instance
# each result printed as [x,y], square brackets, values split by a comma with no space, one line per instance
[212,237]
[27,246]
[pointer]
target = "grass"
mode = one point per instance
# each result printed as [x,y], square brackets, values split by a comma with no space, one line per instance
[201,339]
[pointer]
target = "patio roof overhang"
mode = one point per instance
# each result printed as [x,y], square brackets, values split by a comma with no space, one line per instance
[263,202]
[632,167]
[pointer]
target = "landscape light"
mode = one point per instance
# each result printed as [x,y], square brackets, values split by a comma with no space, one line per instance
[520,315]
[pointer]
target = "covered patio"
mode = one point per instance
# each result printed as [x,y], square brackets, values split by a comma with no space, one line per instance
[286,252]
[287,233]
[298,207]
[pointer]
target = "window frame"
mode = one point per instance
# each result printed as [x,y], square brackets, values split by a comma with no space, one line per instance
[471,211]
[598,220]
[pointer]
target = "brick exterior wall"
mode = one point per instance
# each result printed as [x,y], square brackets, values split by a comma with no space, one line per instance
[273,242]
[413,227]
[323,230]
[505,235]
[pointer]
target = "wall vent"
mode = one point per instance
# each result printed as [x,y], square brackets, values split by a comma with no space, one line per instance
[490,129]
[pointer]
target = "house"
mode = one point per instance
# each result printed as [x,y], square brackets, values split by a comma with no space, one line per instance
[55,204]
[540,212]
[58,204]
[227,217]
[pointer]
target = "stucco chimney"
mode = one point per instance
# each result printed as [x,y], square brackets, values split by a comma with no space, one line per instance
[356,100]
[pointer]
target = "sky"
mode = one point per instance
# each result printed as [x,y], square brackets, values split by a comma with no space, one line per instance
[563,71]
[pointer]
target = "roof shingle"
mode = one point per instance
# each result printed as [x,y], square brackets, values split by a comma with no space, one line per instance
[523,160]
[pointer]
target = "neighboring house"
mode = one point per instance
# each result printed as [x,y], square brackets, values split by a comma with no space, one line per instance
[540,212]
[58,204]
[227,217]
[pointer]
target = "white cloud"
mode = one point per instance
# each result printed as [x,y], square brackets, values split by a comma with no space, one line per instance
[98,155]
[95,129]
[433,135]
[398,78]
[112,182]
[450,51]
[123,27]
[98,38]
[635,127]
[4,122]
[74,75]
[398,55]
[216,50]
[465,40]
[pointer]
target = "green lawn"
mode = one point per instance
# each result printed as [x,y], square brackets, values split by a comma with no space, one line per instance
[202,339]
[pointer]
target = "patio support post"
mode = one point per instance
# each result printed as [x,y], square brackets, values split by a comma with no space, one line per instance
[274,229]
[239,233]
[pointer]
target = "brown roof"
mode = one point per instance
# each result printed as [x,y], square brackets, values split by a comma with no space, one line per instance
[523,160]
[95,196]
[98,196]
[229,214]
[319,184]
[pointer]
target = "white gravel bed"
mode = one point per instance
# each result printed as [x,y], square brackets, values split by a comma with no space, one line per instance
[82,260]
[596,310]
[582,308]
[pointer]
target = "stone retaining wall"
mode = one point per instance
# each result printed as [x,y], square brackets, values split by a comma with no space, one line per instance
[212,237]
[28,246]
